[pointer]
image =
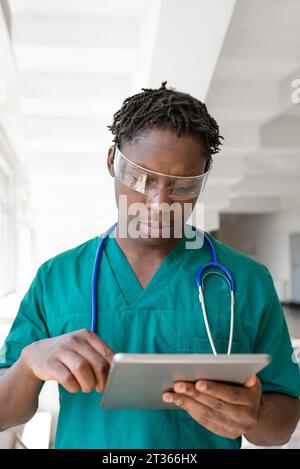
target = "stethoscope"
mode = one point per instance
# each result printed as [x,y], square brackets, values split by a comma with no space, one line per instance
[200,276]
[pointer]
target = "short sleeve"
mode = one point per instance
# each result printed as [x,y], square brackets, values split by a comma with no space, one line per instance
[283,373]
[28,326]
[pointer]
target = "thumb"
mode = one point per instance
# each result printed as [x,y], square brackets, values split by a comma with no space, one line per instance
[251,381]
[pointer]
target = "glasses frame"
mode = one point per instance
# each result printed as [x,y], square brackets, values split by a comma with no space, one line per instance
[208,168]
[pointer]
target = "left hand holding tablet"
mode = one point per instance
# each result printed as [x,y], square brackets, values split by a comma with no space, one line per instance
[228,410]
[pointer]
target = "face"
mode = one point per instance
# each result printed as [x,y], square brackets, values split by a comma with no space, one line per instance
[159,150]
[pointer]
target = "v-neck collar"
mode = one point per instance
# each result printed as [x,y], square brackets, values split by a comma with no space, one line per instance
[132,291]
[127,281]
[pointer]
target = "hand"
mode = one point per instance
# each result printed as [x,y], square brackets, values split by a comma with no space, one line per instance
[78,360]
[226,409]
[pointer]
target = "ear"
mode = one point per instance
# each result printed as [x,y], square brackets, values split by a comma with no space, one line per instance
[110,160]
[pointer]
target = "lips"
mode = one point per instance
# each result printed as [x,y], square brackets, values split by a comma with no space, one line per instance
[157,222]
[155,225]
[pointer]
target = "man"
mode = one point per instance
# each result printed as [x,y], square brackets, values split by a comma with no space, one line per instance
[148,303]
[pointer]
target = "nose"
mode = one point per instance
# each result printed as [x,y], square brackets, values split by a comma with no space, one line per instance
[158,194]
[158,212]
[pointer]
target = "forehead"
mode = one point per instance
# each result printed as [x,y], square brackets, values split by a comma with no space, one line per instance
[163,151]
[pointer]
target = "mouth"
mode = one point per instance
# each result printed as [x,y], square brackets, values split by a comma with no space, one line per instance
[156,226]
[156,229]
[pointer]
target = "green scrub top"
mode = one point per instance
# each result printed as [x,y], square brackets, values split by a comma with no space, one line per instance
[165,317]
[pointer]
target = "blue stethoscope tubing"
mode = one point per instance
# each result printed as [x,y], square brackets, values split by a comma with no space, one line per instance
[202,272]
[200,276]
[95,276]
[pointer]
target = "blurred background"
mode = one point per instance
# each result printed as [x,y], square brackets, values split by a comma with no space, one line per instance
[66,66]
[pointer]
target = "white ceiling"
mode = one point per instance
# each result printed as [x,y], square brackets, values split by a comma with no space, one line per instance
[77,8]
[250,96]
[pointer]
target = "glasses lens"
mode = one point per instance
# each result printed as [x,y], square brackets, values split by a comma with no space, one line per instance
[144,181]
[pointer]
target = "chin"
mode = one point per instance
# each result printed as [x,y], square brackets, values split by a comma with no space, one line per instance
[152,242]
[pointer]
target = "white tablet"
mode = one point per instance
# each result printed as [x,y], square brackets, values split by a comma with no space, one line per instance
[137,381]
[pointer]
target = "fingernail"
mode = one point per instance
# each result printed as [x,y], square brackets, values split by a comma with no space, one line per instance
[167,398]
[251,381]
[201,385]
[180,387]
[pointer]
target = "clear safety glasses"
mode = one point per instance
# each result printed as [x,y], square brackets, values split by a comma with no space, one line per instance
[146,181]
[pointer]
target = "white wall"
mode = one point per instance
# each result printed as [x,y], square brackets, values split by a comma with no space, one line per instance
[266,238]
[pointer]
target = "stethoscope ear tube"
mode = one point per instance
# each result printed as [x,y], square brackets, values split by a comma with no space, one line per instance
[200,275]
[201,299]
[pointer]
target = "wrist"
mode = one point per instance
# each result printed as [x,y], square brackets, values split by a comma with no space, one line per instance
[25,364]
[253,434]
[260,408]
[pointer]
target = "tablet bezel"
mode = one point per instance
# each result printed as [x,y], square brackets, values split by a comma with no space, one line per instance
[126,365]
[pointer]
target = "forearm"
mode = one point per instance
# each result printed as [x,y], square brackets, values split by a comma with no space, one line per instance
[278,418]
[19,391]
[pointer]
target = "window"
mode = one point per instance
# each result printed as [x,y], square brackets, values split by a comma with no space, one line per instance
[4,238]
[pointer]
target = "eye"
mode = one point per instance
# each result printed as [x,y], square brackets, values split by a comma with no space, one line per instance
[183,188]
[151,182]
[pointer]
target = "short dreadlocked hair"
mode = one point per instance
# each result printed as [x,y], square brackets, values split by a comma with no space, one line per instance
[166,108]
